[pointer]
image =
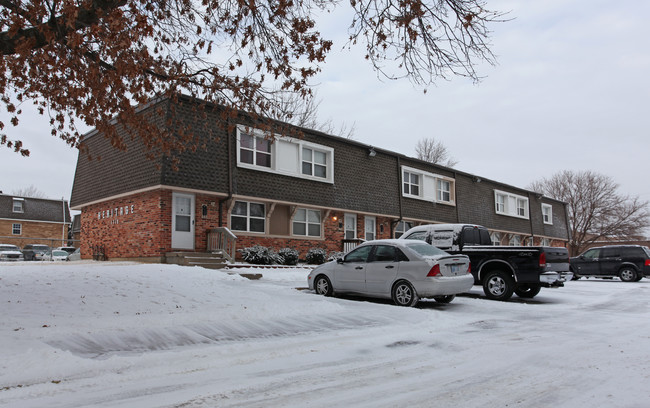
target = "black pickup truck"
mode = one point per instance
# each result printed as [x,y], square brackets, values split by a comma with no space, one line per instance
[501,270]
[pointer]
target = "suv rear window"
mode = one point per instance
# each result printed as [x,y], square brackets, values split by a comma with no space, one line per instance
[647,251]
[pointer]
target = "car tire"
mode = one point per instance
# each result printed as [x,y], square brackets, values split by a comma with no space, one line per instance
[444,299]
[403,294]
[527,291]
[627,274]
[498,285]
[323,286]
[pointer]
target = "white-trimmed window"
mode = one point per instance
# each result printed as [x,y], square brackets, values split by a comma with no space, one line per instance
[18,206]
[371,228]
[510,204]
[17,229]
[547,213]
[495,237]
[246,216]
[285,155]
[401,228]
[546,242]
[314,162]
[254,150]
[515,241]
[411,184]
[427,186]
[307,222]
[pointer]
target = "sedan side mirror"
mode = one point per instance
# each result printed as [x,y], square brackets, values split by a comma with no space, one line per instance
[339,260]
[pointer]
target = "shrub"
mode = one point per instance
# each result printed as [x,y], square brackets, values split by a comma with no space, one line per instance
[259,255]
[289,256]
[316,256]
[334,255]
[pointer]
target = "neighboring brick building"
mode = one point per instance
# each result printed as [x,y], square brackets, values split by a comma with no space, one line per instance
[314,191]
[27,220]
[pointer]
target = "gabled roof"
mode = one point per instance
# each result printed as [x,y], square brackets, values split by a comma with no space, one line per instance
[35,209]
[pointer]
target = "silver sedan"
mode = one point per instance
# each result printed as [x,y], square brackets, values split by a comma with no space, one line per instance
[402,270]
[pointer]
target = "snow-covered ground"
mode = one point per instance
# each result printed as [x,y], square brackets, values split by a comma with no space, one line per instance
[96,334]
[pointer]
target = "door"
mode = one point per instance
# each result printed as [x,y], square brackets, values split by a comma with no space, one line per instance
[350,226]
[350,274]
[371,228]
[587,263]
[182,221]
[381,270]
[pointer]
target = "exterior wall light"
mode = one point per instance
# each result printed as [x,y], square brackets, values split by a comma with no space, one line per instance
[372,152]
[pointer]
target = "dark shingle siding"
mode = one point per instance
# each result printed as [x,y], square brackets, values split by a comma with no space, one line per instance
[35,209]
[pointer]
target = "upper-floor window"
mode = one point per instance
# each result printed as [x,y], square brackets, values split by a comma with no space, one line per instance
[255,150]
[510,204]
[314,162]
[18,205]
[285,155]
[411,184]
[427,186]
[248,217]
[307,222]
[547,213]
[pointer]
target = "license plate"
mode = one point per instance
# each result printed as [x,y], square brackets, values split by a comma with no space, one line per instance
[455,269]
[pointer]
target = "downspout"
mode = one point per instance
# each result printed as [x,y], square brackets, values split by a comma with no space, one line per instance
[399,197]
[63,237]
[456,196]
[530,219]
[229,196]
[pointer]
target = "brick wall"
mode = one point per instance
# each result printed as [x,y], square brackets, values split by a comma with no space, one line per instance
[33,232]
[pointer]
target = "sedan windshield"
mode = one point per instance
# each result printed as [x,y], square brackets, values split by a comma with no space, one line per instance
[425,249]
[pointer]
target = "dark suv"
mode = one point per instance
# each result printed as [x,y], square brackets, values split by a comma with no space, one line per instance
[35,252]
[628,262]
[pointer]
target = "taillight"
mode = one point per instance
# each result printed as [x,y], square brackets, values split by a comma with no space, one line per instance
[469,267]
[542,260]
[435,271]
[647,262]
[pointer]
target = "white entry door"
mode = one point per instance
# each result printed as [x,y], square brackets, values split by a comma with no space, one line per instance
[182,221]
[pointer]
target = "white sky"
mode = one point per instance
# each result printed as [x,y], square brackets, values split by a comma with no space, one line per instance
[571,91]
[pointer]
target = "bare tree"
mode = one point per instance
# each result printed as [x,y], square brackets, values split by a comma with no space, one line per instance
[433,151]
[596,209]
[30,191]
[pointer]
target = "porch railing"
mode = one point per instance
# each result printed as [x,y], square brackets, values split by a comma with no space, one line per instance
[350,244]
[222,240]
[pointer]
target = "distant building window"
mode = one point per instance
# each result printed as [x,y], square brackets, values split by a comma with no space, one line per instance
[18,205]
[248,217]
[411,184]
[401,228]
[510,204]
[314,162]
[17,229]
[307,222]
[547,213]
[255,150]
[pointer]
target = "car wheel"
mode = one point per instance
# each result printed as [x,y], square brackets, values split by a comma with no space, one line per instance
[323,286]
[404,295]
[627,274]
[527,291]
[444,299]
[498,285]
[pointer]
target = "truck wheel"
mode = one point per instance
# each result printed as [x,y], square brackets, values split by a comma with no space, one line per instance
[527,291]
[627,274]
[498,285]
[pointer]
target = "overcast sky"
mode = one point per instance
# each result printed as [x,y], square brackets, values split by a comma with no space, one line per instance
[571,91]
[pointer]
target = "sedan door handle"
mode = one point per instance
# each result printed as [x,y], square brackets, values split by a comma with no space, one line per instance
[359,267]
[389,266]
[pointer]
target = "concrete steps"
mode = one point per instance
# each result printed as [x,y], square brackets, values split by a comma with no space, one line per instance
[209,260]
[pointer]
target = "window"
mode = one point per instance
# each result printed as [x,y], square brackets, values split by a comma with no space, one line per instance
[17,229]
[371,228]
[546,242]
[515,241]
[591,254]
[285,155]
[306,222]
[401,228]
[547,213]
[411,184]
[427,186]
[18,205]
[247,216]
[510,204]
[495,237]
[359,254]
[314,162]
[444,191]
[384,253]
[420,235]
[254,150]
